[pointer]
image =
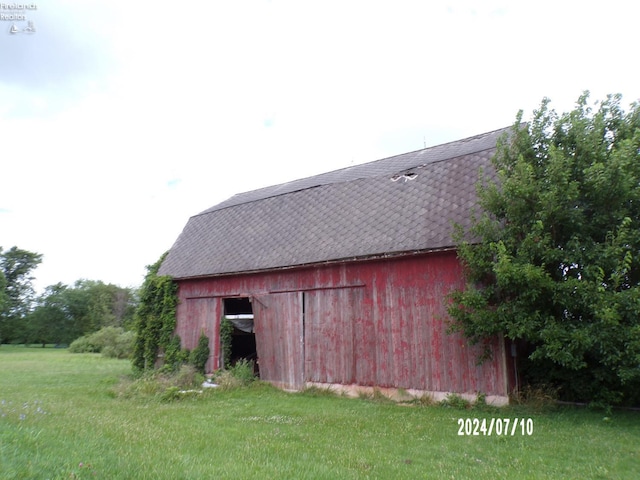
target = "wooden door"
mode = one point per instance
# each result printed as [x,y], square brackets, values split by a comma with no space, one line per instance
[279,333]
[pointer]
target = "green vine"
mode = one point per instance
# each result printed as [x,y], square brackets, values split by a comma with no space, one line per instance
[226,331]
[155,319]
[174,356]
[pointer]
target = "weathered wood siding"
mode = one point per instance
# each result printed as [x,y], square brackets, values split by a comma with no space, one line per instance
[200,315]
[334,326]
[279,338]
[373,323]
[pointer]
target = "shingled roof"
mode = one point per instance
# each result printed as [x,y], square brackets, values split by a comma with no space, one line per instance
[406,203]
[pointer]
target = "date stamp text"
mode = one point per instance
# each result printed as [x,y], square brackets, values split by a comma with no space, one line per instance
[486,427]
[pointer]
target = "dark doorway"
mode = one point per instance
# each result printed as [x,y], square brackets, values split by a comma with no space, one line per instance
[239,313]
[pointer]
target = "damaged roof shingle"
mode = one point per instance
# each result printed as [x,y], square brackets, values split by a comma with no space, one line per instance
[405,203]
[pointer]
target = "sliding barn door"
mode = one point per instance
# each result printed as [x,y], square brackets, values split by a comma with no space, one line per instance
[279,332]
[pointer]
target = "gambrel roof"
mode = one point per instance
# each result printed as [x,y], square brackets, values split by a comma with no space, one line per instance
[403,204]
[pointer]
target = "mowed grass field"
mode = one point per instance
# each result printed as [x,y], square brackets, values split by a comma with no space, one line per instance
[60,419]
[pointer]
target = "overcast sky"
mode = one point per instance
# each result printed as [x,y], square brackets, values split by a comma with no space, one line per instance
[121,119]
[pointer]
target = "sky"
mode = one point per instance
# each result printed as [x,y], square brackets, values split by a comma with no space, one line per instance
[120,119]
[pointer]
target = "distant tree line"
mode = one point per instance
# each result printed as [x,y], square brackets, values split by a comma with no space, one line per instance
[62,312]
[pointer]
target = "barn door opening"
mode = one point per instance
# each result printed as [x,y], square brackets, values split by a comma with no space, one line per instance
[239,313]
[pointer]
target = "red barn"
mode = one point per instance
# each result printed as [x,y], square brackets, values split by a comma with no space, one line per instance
[341,279]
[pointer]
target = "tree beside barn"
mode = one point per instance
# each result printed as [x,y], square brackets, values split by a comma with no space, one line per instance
[556,262]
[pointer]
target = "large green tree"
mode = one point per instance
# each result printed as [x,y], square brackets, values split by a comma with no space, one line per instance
[50,321]
[556,261]
[17,291]
[95,304]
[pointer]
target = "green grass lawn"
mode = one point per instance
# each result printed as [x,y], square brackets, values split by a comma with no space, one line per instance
[60,419]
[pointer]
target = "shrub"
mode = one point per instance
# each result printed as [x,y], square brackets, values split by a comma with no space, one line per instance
[455,401]
[243,371]
[122,346]
[187,376]
[239,375]
[537,397]
[199,355]
[225,380]
[83,345]
[112,342]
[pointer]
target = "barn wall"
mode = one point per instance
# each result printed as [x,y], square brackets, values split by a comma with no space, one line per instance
[372,323]
[196,316]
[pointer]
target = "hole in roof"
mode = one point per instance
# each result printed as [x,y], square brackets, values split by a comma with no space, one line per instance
[404,177]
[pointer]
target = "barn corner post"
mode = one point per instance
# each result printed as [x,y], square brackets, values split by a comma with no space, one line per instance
[213,334]
[513,350]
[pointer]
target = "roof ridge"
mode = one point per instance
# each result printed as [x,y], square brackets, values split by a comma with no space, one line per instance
[460,140]
[442,159]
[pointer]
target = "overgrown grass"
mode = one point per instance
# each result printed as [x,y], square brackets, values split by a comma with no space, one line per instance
[61,417]
[163,385]
[238,375]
